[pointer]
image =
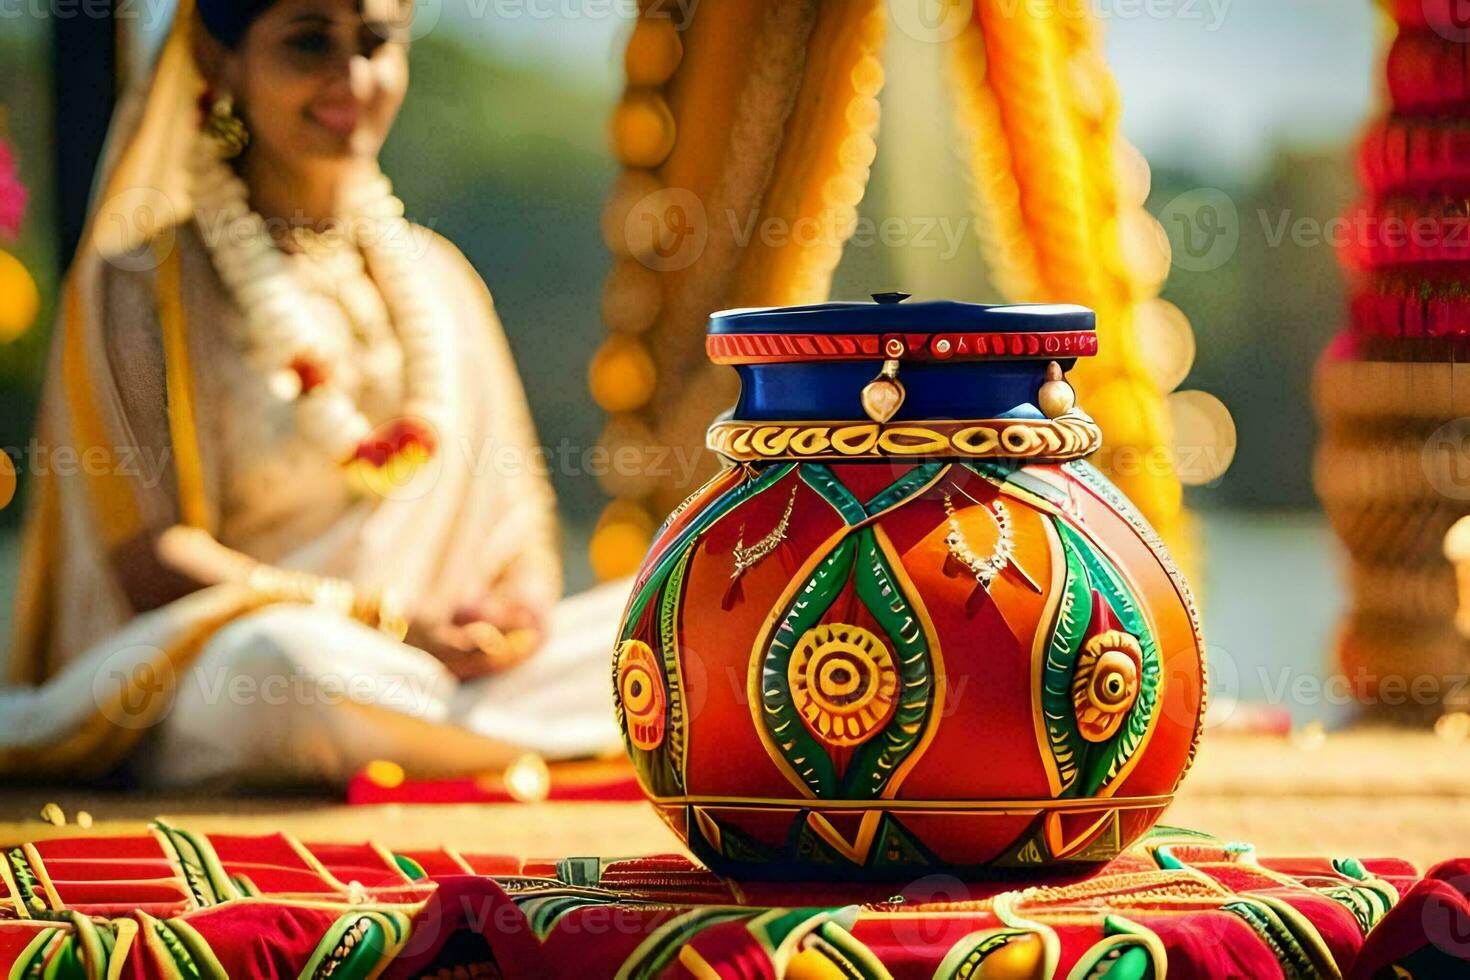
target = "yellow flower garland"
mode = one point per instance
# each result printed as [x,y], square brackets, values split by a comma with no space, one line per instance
[757,118]
[762,115]
[1063,221]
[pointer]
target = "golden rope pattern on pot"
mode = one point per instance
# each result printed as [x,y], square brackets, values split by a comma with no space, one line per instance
[1069,437]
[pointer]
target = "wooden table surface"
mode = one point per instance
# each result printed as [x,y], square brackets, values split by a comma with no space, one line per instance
[1362,793]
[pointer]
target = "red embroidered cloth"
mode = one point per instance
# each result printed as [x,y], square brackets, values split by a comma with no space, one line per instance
[178,904]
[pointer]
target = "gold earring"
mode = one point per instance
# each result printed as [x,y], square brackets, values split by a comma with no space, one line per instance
[226,128]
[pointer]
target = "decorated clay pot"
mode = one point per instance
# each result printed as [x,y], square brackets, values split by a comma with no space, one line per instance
[908,628]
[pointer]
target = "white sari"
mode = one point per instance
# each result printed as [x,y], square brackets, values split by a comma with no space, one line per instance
[148,394]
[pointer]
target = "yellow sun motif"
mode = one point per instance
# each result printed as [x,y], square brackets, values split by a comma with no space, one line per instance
[641,693]
[843,682]
[1105,684]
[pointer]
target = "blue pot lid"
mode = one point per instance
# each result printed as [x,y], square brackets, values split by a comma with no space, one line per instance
[956,360]
[891,314]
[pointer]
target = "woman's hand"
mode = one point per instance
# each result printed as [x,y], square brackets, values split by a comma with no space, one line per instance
[504,613]
[473,649]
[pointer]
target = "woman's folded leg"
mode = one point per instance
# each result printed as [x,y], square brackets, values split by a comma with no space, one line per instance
[296,695]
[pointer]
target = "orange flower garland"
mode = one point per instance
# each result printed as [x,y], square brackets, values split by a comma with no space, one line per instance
[746,133]
[1061,195]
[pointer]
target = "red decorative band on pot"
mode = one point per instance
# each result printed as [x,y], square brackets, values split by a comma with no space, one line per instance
[1071,436]
[789,348]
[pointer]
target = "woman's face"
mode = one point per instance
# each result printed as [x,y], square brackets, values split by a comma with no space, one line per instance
[319,82]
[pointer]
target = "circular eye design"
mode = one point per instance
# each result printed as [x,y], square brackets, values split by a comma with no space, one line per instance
[1105,684]
[843,682]
[641,694]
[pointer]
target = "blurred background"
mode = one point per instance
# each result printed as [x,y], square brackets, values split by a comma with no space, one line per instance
[1246,110]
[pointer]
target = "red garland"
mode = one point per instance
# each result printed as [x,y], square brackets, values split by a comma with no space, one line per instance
[12,194]
[1398,231]
[312,373]
[1399,154]
[398,439]
[1428,73]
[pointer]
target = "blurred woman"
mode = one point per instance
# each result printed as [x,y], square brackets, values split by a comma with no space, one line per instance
[286,496]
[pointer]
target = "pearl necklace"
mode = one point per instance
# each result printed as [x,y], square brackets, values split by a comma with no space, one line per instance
[984,569]
[285,344]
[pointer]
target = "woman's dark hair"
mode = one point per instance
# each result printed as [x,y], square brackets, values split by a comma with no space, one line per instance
[228,20]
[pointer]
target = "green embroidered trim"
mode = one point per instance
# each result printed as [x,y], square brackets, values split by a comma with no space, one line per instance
[580,871]
[656,952]
[1296,963]
[177,951]
[31,963]
[543,911]
[201,867]
[357,945]
[26,882]
[410,867]
[966,957]
[1128,951]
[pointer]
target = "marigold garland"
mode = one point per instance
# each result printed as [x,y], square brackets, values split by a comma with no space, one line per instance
[284,344]
[747,134]
[20,299]
[12,193]
[768,113]
[1063,221]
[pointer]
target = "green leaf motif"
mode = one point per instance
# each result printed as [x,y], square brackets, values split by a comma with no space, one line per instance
[1107,759]
[1074,613]
[688,539]
[672,750]
[875,761]
[662,768]
[1084,767]
[805,755]
[858,558]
